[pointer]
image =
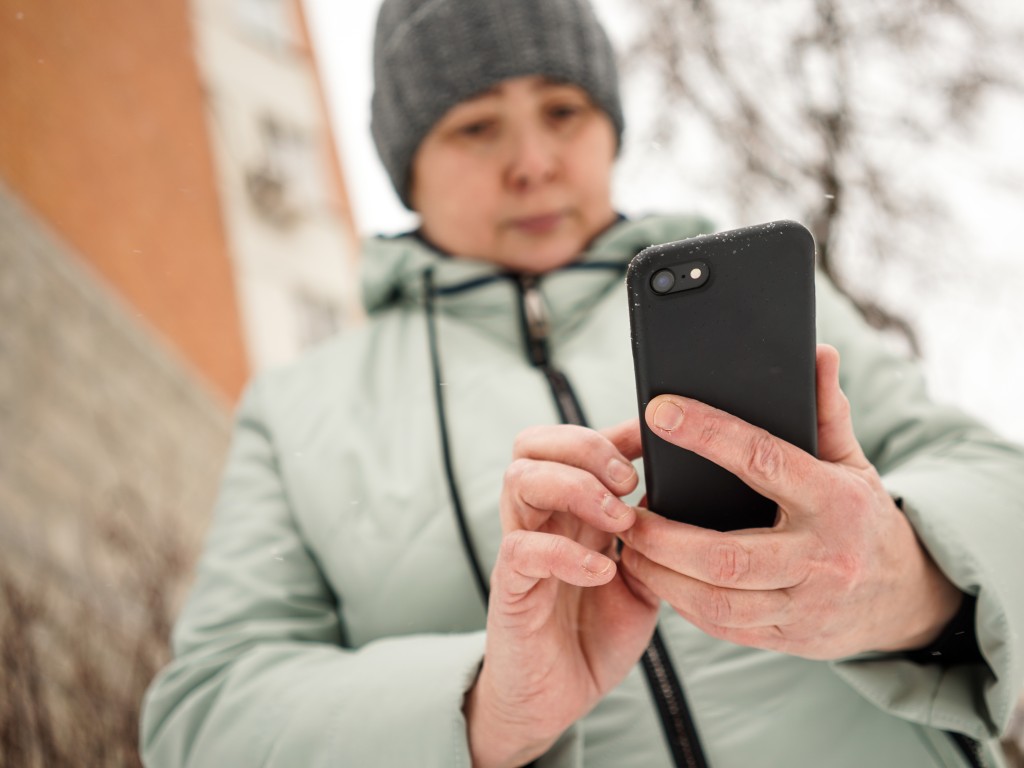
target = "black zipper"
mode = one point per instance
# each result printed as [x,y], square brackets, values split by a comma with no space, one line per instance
[676,720]
[662,680]
[969,748]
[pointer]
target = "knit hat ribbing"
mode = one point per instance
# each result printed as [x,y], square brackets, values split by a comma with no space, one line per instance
[429,55]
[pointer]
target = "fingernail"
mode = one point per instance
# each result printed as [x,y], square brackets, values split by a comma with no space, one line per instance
[619,471]
[668,416]
[596,564]
[613,507]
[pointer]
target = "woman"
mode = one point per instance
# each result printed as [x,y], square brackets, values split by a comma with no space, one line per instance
[342,612]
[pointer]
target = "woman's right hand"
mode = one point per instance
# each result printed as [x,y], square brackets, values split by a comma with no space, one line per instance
[565,622]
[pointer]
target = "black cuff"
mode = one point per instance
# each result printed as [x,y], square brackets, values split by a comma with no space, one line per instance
[956,644]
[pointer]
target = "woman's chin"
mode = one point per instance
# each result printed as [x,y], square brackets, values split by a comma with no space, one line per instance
[540,254]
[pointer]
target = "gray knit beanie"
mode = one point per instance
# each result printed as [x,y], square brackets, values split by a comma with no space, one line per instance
[431,54]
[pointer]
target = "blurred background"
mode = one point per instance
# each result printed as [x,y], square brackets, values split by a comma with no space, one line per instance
[184,184]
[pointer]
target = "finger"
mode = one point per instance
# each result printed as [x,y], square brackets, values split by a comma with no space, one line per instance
[626,438]
[537,489]
[738,560]
[772,467]
[638,589]
[579,447]
[770,638]
[715,606]
[836,441]
[528,557]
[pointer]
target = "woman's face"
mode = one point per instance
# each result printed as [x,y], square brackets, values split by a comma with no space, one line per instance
[519,176]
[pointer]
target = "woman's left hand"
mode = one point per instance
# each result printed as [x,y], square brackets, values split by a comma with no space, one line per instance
[841,571]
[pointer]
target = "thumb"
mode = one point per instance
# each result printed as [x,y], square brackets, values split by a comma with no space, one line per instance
[836,441]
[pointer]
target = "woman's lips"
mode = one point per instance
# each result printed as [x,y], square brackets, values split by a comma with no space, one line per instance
[538,225]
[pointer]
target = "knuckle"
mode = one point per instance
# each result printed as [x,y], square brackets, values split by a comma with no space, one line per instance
[581,486]
[765,458]
[710,430]
[554,548]
[515,472]
[511,551]
[716,607]
[577,496]
[595,451]
[728,563]
[591,440]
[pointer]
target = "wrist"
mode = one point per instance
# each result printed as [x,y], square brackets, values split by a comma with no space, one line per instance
[497,740]
[938,600]
[941,604]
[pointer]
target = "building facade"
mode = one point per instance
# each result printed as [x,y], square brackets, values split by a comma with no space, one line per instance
[172,220]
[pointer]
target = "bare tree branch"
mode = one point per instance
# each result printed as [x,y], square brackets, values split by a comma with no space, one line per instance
[814,101]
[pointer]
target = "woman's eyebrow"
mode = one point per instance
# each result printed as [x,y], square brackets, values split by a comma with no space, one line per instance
[551,82]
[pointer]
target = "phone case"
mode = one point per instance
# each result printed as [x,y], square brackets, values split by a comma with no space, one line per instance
[736,332]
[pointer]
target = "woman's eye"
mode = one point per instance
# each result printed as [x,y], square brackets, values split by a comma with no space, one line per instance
[564,111]
[477,129]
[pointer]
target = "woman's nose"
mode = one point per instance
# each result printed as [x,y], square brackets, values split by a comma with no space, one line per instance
[533,158]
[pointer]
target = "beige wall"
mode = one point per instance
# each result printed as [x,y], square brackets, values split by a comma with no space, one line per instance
[279,185]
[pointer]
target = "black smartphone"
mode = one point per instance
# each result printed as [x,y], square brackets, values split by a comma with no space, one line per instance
[727,319]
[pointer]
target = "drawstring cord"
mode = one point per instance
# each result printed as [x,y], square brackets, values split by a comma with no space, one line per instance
[453,489]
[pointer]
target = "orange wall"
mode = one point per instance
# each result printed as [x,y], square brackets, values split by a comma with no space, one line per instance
[103,133]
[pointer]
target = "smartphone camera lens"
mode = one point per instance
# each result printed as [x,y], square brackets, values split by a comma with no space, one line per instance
[663,281]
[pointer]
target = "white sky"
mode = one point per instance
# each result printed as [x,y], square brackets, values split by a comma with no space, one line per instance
[974,353]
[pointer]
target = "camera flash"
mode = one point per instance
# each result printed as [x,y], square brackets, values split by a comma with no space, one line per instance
[695,273]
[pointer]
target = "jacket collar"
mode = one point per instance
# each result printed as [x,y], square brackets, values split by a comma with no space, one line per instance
[393,275]
[393,267]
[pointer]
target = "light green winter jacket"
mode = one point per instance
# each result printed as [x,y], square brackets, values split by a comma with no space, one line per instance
[335,621]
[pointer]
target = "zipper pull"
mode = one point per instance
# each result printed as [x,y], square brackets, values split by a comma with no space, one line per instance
[536,320]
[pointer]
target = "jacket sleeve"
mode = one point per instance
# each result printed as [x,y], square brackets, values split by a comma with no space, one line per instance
[260,676]
[963,490]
